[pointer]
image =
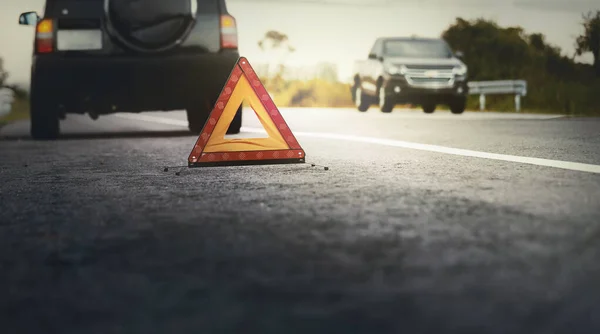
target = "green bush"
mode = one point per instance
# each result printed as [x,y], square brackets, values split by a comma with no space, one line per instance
[555,82]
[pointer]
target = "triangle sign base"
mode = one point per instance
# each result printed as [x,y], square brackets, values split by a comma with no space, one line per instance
[234,163]
[212,149]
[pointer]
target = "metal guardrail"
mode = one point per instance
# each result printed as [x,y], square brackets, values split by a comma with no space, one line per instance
[483,88]
[7,97]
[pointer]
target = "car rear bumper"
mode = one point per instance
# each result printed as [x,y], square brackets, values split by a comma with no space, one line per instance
[133,83]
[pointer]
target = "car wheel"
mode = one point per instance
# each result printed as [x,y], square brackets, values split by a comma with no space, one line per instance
[386,104]
[236,123]
[197,117]
[458,106]
[361,99]
[45,123]
[429,108]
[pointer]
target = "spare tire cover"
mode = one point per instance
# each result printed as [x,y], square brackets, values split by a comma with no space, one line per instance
[150,25]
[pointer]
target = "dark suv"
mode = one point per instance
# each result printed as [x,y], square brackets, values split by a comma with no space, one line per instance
[104,56]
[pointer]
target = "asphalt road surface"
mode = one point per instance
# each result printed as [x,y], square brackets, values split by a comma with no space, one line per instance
[479,223]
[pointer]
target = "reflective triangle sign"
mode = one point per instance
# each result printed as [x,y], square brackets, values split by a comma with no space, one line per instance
[212,149]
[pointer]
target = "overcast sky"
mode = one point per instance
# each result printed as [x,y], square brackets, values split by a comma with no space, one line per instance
[340,33]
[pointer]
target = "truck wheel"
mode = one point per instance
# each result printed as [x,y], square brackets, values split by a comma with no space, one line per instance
[458,106]
[386,104]
[361,100]
[45,123]
[429,108]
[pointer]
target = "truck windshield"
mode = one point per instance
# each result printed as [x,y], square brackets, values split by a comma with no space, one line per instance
[416,49]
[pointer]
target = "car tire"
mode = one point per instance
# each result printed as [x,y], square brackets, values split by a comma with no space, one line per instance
[386,103]
[458,107]
[44,113]
[197,117]
[236,123]
[360,99]
[428,108]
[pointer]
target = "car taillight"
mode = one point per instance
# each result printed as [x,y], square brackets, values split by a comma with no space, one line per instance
[229,38]
[44,36]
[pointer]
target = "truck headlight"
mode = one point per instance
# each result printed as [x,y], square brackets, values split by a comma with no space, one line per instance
[392,69]
[460,70]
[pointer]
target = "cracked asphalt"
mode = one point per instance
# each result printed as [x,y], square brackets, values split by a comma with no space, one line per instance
[96,238]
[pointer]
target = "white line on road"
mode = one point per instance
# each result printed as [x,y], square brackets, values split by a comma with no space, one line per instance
[574,166]
[153,119]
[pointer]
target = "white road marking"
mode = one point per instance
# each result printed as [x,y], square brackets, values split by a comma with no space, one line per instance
[153,119]
[574,166]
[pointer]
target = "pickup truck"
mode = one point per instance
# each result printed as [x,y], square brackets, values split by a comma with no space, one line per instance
[410,70]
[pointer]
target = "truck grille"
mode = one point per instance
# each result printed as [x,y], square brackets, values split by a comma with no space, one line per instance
[430,76]
[431,81]
[430,67]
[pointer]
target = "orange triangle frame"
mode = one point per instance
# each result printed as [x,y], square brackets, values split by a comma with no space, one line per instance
[212,149]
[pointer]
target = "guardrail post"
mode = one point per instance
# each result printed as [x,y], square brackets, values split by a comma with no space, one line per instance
[482,102]
[482,88]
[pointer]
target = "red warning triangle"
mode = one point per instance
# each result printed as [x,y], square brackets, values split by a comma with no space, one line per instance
[212,149]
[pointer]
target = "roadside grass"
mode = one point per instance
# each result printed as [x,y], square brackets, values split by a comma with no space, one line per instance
[322,94]
[20,111]
[318,93]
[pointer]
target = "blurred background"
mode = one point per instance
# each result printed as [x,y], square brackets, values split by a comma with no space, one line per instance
[305,50]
